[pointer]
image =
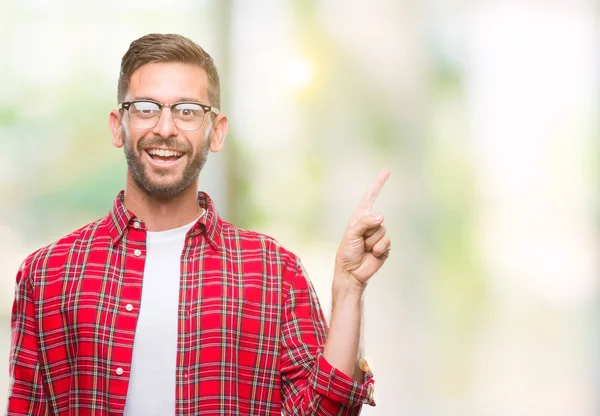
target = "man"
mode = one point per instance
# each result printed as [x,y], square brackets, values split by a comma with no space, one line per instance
[164,308]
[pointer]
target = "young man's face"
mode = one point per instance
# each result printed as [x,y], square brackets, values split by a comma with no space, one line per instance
[164,160]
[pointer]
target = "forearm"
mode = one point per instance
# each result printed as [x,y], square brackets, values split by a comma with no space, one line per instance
[343,339]
[311,385]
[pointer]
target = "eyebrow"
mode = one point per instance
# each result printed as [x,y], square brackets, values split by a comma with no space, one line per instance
[196,100]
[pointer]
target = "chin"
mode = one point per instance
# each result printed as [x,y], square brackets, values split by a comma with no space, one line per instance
[165,189]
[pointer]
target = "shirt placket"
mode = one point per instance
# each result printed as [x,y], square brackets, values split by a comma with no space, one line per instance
[188,291]
[127,312]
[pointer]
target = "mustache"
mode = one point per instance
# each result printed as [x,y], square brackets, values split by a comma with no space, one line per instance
[171,143]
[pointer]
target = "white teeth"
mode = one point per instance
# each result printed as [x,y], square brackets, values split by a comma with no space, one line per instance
[164,152]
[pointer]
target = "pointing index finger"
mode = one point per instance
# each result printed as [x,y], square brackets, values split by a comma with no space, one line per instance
[372,193]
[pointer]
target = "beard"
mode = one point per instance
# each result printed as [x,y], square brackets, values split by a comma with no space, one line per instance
[164,183]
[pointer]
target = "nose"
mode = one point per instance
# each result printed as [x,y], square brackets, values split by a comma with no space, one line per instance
[165,127]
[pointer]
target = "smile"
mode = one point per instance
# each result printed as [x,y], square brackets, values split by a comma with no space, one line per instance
[163,158]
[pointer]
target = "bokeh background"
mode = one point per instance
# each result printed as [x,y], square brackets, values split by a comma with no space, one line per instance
[486,113]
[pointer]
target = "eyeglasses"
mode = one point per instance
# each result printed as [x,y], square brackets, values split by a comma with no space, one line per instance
[187,115]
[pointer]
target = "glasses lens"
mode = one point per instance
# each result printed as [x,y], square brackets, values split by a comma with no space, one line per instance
[188,116]
[144,114]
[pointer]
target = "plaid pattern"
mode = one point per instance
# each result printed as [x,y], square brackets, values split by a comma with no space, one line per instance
[250,333]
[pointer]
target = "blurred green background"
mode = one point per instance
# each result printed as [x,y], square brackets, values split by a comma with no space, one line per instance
[486,113]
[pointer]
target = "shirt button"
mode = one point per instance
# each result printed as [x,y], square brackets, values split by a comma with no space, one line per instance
[363,364]
[129,307]
[136,224]
[137,252]
[119,371]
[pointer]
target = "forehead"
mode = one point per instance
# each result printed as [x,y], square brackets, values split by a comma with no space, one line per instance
[168,82]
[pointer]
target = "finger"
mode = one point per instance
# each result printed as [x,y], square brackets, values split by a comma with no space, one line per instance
[382,247]
[385,255]
[374,239]
[361,225]
[372,231]
[372,193]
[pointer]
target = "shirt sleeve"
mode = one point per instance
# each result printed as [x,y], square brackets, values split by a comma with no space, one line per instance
[311,385]
[26,394]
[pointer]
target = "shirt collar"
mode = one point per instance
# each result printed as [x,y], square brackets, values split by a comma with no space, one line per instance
[119,219]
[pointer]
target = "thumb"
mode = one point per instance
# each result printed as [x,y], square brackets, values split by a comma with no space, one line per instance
[359,226]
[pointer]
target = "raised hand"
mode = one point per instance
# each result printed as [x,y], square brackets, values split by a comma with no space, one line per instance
[364,247]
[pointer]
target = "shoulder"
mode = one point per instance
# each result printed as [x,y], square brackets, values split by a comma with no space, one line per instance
[248,243]
[266,253]
[57,253]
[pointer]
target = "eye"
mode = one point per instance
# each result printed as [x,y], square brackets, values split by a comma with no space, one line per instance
[189,110]
[145,107]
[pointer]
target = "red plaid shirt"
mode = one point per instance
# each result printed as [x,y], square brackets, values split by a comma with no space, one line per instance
[250,328]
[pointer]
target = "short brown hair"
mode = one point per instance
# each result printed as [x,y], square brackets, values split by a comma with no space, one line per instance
[157,47]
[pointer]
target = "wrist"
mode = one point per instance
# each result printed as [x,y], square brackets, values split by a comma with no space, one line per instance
[346,287]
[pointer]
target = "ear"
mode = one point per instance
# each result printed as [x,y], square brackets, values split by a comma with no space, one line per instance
[219,132]
[115,127]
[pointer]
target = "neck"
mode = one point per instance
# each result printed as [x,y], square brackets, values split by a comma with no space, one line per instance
[161,213]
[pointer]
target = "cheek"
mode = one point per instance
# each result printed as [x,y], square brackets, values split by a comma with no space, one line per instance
[199,142]
[129,142]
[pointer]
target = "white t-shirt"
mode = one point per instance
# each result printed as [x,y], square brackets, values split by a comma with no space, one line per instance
[152,381]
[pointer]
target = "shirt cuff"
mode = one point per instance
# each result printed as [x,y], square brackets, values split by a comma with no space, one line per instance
[339,387]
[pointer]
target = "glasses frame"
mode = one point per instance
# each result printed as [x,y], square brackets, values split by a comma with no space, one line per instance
[207,109]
